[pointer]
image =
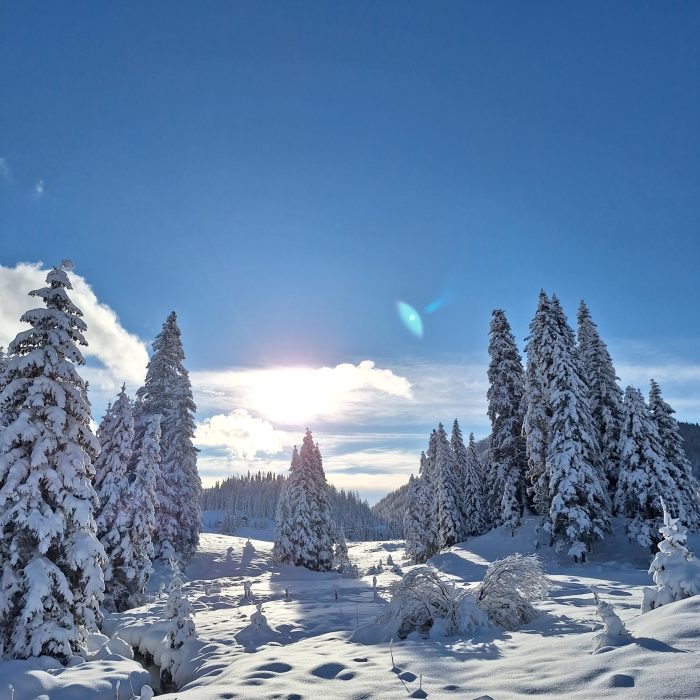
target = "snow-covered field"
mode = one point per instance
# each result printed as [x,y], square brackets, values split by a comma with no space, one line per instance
[305,651]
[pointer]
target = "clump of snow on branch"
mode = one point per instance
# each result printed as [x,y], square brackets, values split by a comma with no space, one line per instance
[675,571]
[426,602]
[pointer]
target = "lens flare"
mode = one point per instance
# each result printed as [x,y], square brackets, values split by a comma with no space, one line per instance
[410,318]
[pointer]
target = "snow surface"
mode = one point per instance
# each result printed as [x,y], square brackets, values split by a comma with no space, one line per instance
[303,648]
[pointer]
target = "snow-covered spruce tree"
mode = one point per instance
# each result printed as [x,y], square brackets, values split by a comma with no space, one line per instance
[605,393]
[505,410]
[116,436]
[448,490]
[472,498]
[416,549]
[579,512]
[282,548]
[459,454]
[144,472]
[474,493]
[319,500]
[537,409]
[167,392]
[675,571]
[428,496]
[297,523]
[305,528]
[644,477]
[51,583]
[679,466]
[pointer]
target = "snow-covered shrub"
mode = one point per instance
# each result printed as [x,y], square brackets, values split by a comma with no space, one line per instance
[509,588]
[675,571]
[615,633]
[426,602]
[420,598]
[248,550]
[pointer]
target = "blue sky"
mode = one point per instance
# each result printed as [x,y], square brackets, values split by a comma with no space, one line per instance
[281,174]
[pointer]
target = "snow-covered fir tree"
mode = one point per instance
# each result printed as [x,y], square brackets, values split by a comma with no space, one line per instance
[416,550]
[51,584]
[679,466]
[505,410]
[474,504]
[644,478]
[167,392]
[116,436]
[537,409]
[283,549]
[605,393]
[448,492]
[305,531]
[579,511]
[427,505]
[459,454]
[322,515]
[143,473]
[675,571]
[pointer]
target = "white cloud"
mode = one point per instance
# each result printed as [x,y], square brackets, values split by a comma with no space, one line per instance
[299,396]
[242,435]
[121,356]
[668,372]
[39,188]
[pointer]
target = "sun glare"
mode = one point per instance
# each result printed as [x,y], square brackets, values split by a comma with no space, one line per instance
[293,395]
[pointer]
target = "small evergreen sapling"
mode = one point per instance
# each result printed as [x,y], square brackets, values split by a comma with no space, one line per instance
[675,571]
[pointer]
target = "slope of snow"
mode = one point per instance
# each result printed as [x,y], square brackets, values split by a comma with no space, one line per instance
[303,649]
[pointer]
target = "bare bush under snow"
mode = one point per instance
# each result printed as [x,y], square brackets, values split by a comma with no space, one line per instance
[425,601]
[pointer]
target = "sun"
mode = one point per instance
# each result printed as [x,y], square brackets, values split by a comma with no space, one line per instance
[293,396]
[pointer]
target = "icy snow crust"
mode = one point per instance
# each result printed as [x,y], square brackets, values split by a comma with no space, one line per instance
[302,648]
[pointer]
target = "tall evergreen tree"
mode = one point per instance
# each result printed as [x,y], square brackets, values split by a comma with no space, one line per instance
[116,436]
[427,510]
[144,472]
[282,549]
[505,410]
[305,528]
[318,495]
[472,486]
[605,393]
[644,477]
[679,466]
[167,392]
[579,512]
[51,583]
[412,522]
[448,490]
[537,408]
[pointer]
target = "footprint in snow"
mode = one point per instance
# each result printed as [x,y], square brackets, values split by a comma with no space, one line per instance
[327,671]
[275,667]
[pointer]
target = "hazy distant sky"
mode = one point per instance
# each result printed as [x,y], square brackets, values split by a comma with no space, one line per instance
[282,174]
